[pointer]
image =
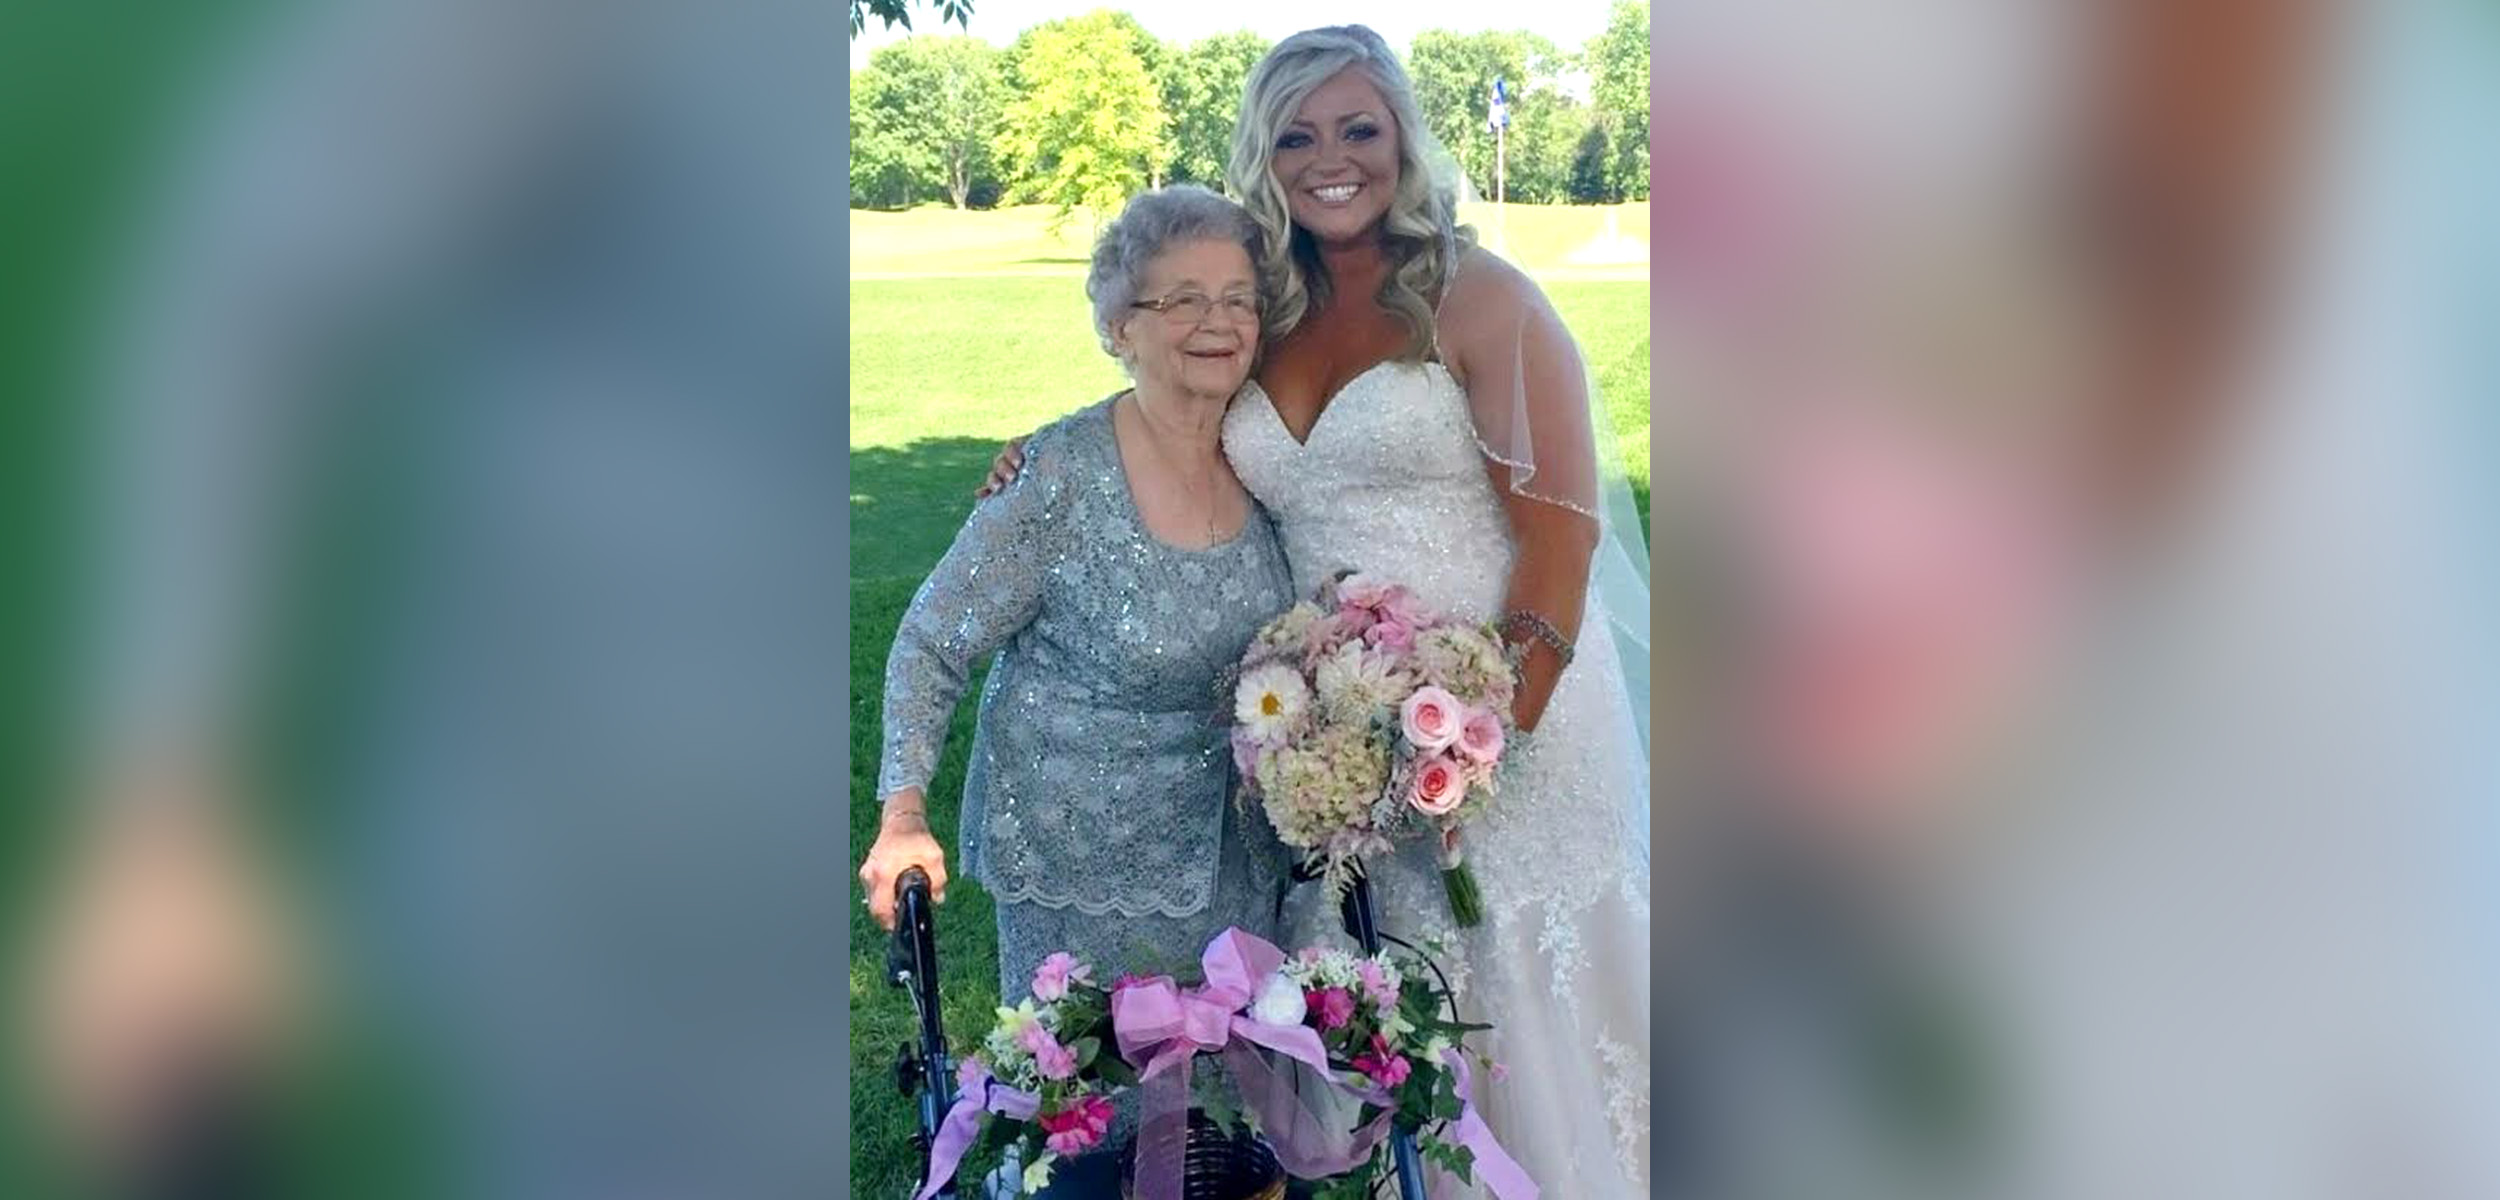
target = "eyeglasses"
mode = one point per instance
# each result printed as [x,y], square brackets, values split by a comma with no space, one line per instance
[1190,308]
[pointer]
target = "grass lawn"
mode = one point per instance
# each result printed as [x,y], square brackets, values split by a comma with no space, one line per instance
[971,328]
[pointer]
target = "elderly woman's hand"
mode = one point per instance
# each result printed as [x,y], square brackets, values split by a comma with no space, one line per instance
[1002,470]
[903,842]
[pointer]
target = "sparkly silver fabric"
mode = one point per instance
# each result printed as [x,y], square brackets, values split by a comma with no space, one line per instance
[1393,481]
[1100,779]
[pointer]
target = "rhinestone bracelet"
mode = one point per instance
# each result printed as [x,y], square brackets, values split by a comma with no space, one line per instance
[1540,629]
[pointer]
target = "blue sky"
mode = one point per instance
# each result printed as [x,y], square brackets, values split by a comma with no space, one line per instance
[1567,22]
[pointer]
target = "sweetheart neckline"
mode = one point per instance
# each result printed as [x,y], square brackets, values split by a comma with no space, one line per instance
[1329,405]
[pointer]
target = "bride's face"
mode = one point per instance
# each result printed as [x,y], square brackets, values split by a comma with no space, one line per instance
[1338,159]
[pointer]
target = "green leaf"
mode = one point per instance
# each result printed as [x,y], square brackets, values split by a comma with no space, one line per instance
[1451,1157]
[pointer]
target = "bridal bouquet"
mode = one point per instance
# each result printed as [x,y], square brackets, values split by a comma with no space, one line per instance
[1043,1072]
[1361,717]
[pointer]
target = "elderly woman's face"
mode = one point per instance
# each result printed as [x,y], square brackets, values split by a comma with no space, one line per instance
[1338,159]
[1201,341]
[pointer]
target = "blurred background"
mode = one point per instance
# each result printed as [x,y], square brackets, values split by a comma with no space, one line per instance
[425,664]
[2076,427]
[2095,773]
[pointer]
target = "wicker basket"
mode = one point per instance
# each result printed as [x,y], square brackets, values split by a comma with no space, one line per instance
[1221,1166]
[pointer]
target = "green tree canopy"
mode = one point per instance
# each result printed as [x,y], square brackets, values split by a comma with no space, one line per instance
[1085,127]
[925,111]
[1202,91]
[1454,74]
[1546,128]
[1619,67]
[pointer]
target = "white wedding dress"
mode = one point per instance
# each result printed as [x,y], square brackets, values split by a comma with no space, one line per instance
[1392,482]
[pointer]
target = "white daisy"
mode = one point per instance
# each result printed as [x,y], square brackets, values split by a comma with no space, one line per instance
[1269,701]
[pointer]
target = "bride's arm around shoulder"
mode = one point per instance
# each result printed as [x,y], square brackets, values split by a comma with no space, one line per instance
[1528,393]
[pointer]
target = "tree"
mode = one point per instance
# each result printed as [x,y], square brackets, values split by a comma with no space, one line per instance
[1619,64]
[898,12]
[881,161]
[1546,126]
[1086,127]
[1454,74]
[929,107]
[1589,161]
[1202,90]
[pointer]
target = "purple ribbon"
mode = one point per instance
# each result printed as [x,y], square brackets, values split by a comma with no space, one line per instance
[1306,1146]
[982,1092]
[1500,1172]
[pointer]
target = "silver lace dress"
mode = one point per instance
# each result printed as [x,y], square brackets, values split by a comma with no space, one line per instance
[1097,805]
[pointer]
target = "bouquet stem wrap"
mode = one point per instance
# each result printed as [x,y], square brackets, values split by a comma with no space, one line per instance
[1458,882]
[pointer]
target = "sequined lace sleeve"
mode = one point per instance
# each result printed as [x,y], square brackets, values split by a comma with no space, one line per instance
[988,586]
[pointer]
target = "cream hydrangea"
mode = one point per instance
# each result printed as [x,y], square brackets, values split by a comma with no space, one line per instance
[1324,783]
[1288,631]
[1467,663]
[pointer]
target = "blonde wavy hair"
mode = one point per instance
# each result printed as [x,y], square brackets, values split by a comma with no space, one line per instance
[1420,232]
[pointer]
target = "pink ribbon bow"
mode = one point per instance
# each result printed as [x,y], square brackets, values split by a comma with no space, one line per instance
[1161,1026]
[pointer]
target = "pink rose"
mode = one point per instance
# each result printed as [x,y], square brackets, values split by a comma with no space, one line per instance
[1355,622]
[1051,979]
[1480,739]
[1334,1005]
[1430,719]
[1437,788]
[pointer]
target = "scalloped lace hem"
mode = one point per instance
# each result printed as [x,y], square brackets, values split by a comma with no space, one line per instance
[1042,898]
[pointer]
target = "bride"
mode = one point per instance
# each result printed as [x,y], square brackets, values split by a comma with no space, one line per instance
[1422,415]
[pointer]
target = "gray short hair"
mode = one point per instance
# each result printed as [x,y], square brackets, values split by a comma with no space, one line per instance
[1152,223]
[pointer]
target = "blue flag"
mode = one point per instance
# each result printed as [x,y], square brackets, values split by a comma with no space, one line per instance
[1498,116]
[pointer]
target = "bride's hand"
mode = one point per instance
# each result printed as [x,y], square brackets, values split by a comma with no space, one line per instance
[903,842]
[1002,469]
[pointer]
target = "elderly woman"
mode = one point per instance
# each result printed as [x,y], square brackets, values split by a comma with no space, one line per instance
[1118,577]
